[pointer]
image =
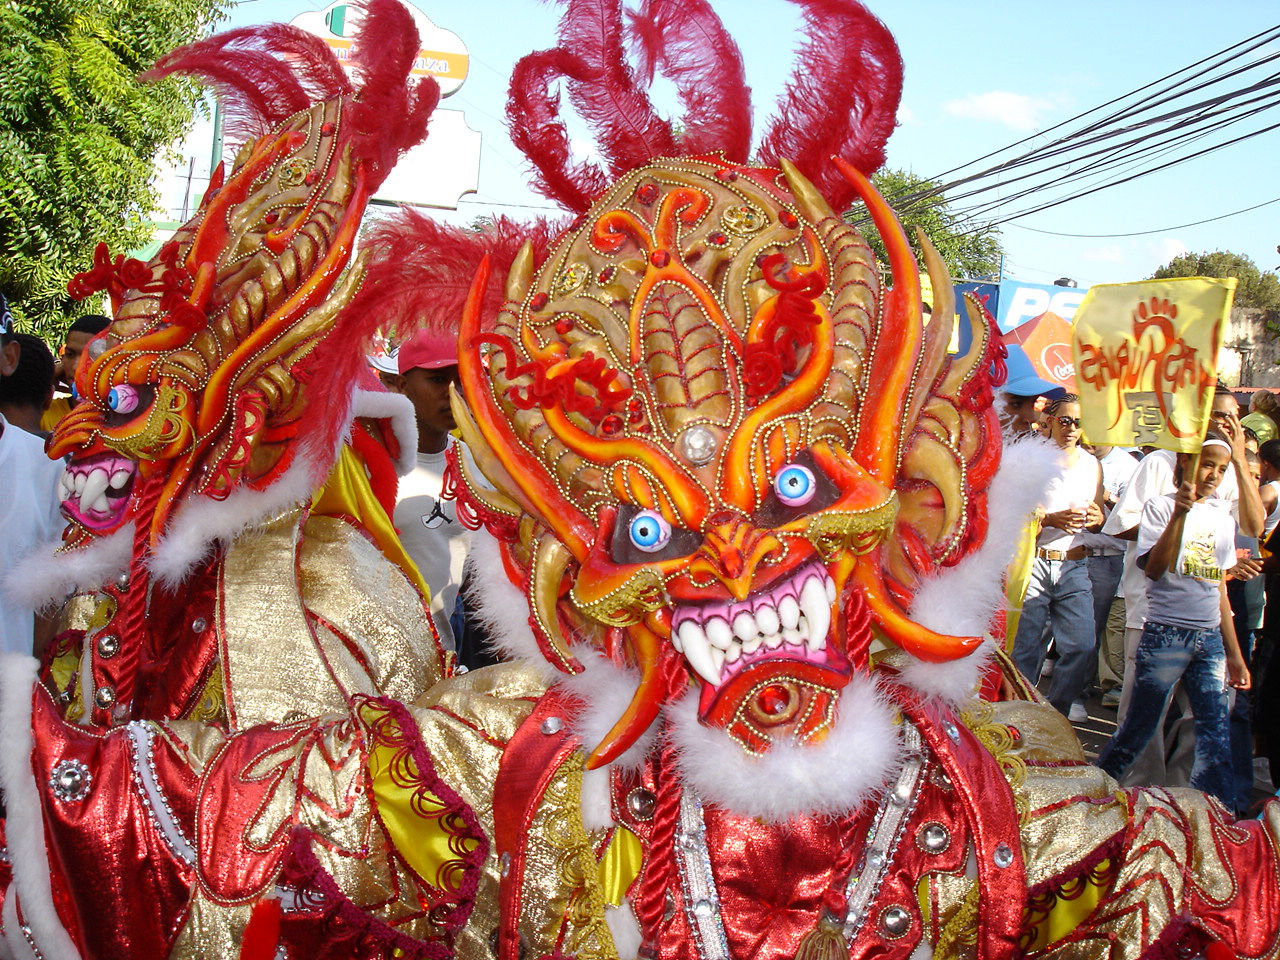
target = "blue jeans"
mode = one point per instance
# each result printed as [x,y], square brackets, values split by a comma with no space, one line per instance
[1104,575]
[1059,594]
[1197,657]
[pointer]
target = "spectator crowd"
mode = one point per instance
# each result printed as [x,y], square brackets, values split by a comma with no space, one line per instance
[1152,589]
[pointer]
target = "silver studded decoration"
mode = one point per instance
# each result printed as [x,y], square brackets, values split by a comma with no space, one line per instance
[698,445]
[1003,855]
[505,860]
[552,725]
[199,624]
[641,803]
[934,838]
[895,921]
[104,697]
[70,781]
[952,731]
[108,645]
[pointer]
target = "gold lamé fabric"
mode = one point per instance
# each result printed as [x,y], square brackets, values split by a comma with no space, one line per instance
[297,641]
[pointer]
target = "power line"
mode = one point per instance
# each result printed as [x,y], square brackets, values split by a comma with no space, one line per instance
[1143,233]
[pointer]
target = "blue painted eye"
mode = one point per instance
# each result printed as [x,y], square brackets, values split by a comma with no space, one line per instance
[649,531]
[794,485]
[123,399]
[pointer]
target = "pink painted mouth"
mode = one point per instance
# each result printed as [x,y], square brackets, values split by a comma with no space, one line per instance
[95,492]
[790,620]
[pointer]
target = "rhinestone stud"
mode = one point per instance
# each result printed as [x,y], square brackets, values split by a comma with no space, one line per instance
[552,725]
[704,908]
[105,697]
[698,445]
[122,581]
[1003,855]
[934,838]
[641,803]
[199,624]
[70,781]
[505,860]
[108,646]
[952,731]
[895,921]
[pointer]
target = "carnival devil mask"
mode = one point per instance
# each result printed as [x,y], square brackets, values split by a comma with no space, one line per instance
[218,345]
[717,448]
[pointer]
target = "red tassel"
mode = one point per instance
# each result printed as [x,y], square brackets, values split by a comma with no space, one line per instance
[262,935]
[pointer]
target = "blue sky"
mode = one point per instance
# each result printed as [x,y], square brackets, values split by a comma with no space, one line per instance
[979,75]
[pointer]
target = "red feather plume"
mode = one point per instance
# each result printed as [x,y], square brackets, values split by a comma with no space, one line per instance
[842,100]
[533,117]
[685,41]
[266,74]
[262,74]
[421,270]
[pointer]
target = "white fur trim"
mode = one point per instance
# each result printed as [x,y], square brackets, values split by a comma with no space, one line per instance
[625,929]
[961,600]
[852,766]
[25,824]
[605,689]
[501,607]
[597,803]
[201,523]
[47,576]
[379,405]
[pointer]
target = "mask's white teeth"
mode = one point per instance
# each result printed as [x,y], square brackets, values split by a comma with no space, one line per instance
[815,607]
[773,640]
[719,633]
[831,589]
[95,487]
[698,652]
[101,505]
[752,645]
[717,661]
[733,653]
[119,479]
[767,620]
[66,486]
[789,612]
[79,482]
[744,626]
[793,637]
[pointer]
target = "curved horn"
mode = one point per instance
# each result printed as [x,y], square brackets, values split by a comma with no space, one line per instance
[568,523]
[645,703]
[897,342]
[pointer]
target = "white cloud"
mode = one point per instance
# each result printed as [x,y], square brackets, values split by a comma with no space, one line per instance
[906,115]
[1166,248]
[1015,110]
[1109,253]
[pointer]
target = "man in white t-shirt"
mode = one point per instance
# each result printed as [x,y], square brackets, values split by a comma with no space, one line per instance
[1154,478]
[1059,593]
[428,523]
[29,515]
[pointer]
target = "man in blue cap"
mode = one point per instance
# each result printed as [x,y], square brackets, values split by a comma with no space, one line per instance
[1025,394]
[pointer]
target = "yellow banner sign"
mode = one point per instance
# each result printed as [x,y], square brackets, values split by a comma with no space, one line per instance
[1146,357]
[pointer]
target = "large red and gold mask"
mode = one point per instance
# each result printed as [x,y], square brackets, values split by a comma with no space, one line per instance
[721,450]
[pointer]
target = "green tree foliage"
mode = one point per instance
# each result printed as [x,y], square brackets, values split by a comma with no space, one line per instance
[1256,288]
[970,249]
[79,137]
